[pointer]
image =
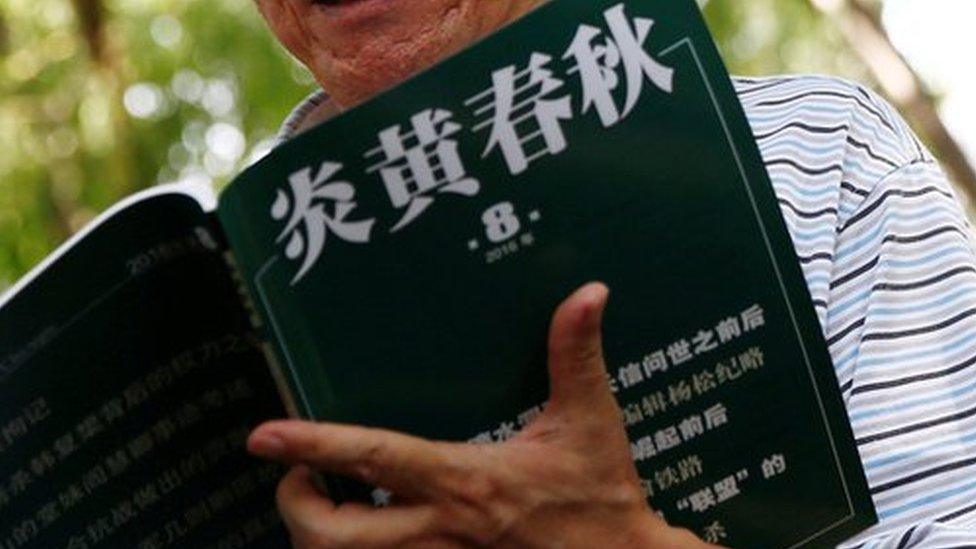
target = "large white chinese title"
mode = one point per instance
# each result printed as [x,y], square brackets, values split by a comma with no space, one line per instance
[522,113]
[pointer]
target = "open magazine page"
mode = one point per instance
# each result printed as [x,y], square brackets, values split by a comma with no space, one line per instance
[129,379]
[407,257]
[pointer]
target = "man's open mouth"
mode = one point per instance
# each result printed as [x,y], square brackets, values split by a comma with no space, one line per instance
[351,11]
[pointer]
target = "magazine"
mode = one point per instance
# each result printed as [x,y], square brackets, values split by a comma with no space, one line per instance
[398,265]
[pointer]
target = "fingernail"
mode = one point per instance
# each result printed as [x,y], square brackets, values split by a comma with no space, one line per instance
[267,445]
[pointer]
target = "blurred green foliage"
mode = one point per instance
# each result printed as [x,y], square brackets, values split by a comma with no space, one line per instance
[99,98]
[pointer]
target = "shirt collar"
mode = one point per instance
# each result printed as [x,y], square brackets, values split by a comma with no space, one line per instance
[313,109]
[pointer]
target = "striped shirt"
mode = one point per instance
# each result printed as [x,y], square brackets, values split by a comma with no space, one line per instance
[889,259]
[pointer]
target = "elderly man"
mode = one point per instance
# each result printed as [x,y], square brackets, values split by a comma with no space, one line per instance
[886,252]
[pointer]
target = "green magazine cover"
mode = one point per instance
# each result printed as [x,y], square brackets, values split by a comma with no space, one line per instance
[406,256]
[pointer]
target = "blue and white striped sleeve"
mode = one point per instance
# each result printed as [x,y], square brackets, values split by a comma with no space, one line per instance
[910,324]
[888,255]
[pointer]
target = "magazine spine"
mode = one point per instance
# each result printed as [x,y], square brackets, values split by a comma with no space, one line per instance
[284,389]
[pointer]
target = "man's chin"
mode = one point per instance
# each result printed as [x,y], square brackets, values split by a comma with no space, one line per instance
[359,48]
[354,64]
[352,81]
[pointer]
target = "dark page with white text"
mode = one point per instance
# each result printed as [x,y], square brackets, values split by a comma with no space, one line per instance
[129,379]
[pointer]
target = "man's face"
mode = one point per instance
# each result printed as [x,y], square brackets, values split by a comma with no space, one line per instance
[356,48]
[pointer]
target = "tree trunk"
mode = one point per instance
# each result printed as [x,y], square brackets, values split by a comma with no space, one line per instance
[121,173]
[4,34]
[861,26]
[91,18]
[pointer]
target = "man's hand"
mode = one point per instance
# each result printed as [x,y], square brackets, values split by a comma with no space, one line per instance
[567,480]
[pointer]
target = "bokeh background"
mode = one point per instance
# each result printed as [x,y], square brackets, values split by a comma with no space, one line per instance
[100,98]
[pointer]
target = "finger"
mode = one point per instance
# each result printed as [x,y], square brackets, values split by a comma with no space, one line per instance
[409,466]
[299,501]
[314,520]
[577,372]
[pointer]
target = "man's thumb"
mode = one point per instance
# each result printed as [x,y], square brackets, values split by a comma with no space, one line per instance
[577,373]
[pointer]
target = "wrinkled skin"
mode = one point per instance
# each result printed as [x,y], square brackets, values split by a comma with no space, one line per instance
[358,52]
[567,480]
